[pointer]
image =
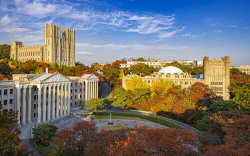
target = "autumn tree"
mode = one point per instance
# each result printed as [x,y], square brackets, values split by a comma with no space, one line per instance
[233,127]
[74,140]
[199,91]
[156,141]
[164,84]
[9,140]
[135,82]
[141,59]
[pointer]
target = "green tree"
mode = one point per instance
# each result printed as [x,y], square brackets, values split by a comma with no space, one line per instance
[4,51]
[242,98]
[121,98]
[142,69]
[235,71]
[43,134]
[95,104]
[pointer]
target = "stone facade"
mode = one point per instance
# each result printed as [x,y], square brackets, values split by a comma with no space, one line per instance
[56,49]
[244,69]
[39,98]
[216,74]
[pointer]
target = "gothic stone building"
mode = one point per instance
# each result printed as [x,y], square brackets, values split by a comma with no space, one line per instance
[216,74]
[56,49]
[39,98]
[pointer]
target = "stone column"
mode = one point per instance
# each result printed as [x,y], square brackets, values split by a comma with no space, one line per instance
[18,104]
[86,92]
[49,102]
[57,103]
[83,84]
[65,98]
[92,89]
[53,101]
[24,105]
[44,102]
[89,89]
[61,106]
[96,91]
[29,106]
[39,104]
[69,98]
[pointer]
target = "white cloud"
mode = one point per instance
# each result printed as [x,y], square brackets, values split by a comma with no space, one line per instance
[5,20]
[217,31]
[169,34]
[14,30]
[187,34]
[139,47]
[87,17]
[37,9]
[84,53]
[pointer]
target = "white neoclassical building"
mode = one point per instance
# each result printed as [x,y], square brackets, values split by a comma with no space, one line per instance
[39,98]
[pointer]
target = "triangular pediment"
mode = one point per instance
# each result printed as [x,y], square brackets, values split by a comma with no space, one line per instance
[93,76]
[57,77]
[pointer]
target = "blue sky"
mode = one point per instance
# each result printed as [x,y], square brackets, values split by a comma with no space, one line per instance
[107,30]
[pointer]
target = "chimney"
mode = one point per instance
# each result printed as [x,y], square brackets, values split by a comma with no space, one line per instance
[47,70]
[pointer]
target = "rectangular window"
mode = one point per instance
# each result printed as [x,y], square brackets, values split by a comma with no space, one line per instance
[34,115]
[71,97]
[11,91]
[0,92]
[5,92]
[80,96]
[75,90]
[5,102]
[0,102]
[75,96]
[34,97]
[71,84]
[75,83]
[80,90]
[11,101]
[71,90]
[70,104]
[34,106]
[75,103]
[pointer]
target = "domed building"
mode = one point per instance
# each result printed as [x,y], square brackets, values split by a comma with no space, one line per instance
[171,70]
[216,74]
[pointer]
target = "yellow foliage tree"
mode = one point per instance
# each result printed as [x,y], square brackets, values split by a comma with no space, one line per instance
[39,70]
[164,84]
[135,82]
[121,74]
[11,65]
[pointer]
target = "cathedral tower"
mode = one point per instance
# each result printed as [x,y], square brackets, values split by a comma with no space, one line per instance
[52,44]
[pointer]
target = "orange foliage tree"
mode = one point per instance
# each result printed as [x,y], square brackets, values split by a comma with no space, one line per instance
[84,139]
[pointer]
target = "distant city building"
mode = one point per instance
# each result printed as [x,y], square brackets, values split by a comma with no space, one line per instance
[55,49]
[216,74]
[157,63]
[244,69]
[39,98]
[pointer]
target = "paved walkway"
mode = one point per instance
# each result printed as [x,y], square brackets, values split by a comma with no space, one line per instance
[106,91]
[182,125]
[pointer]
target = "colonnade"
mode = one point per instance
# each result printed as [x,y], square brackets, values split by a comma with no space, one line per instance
[91,90]
[59,101]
